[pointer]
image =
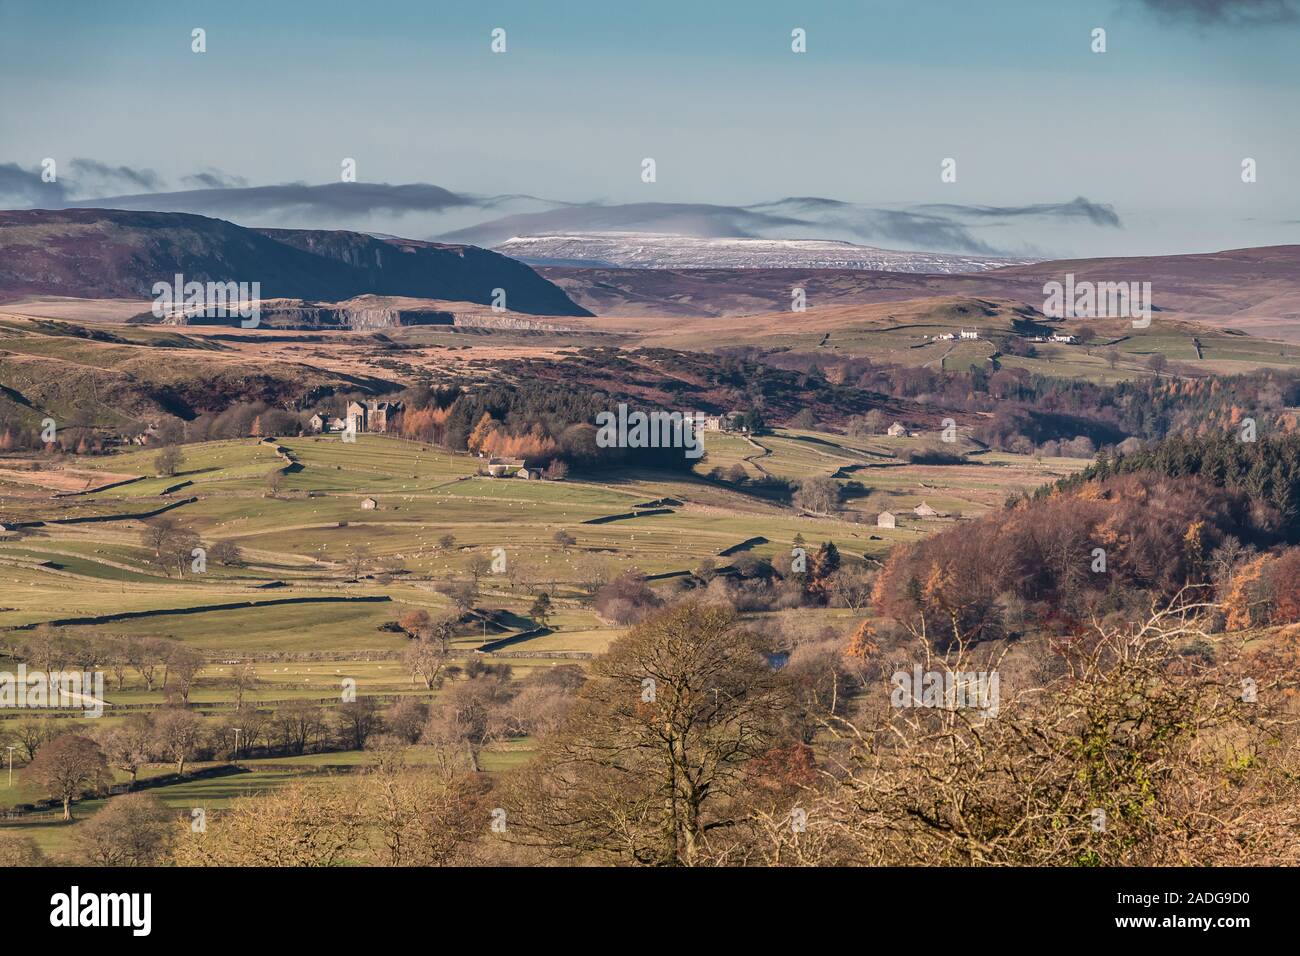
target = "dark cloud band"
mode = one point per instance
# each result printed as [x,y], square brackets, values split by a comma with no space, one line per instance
[1227,12]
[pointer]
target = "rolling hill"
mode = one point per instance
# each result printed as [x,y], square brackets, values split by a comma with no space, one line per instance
[107,253]
[1254,290]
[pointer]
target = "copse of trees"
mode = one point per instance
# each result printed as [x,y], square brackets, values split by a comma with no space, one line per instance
[819,495]
[749,583]
[169,461]
[159,661]
[627,598]
[1266,471]
[236,420]
[546,424]
[1105,546]
[1207,517]
[173,545]
[1025,410]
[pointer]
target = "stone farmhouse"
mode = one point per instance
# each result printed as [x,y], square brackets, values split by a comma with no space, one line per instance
[704,422]
[325,423]
[372,416]
[505,467]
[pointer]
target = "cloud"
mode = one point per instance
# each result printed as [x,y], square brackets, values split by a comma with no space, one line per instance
[1099,214]
[90,175]
[938,227]
[701,220]
[214,179]
[923,230]
[919,226]
[809,203]
[79,177]
[1242,13]
[20,186]
[321,202]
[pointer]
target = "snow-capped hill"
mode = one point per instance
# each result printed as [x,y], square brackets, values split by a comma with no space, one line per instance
[634,250]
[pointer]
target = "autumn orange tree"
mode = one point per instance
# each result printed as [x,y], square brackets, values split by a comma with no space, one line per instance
[425,424]
[486,426]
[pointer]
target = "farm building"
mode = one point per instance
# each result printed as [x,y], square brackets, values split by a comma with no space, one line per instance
[704,422]
[529,473]
[925,511]
[145,436]
[898,430]
[886,519]
[369,504]
[504,467]
[373,416]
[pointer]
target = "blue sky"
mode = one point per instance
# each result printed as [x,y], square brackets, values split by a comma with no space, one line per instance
[1156,127]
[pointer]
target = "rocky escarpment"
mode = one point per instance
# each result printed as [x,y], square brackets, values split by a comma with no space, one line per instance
[366,314]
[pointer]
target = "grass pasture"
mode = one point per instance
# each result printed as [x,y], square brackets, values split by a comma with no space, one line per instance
[296,545]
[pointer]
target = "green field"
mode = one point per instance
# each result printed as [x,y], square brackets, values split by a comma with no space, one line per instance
[300,539]
[296,543]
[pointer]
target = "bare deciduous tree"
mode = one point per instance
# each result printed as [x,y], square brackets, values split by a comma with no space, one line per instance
[178,734]
[652,759]
[67,766]
[135,829]
[128,746]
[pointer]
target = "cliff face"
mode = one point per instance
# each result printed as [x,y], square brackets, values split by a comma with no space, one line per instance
[313,316]
[480,320]
[371,313]
[116,254]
